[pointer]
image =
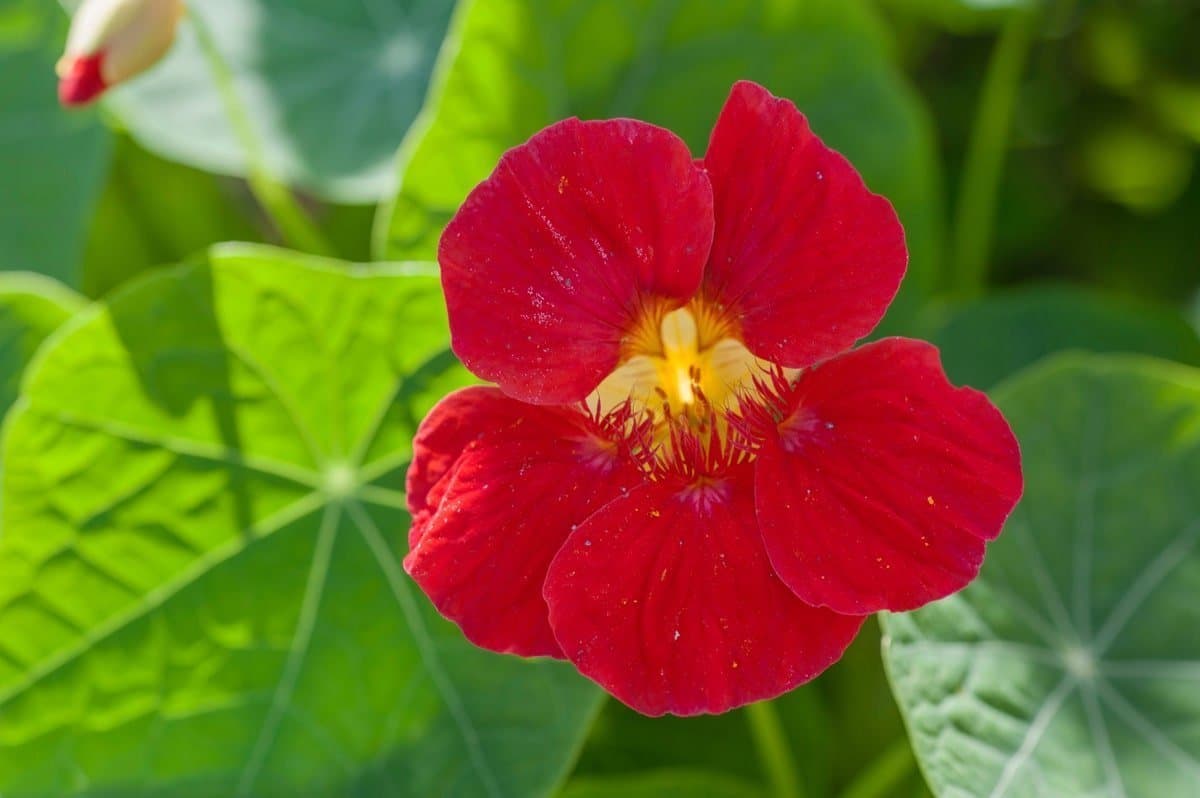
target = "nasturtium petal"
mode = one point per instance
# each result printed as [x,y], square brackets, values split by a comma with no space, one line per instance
[329,88]
[882,485]
[31,308]
[1069,667]
[557,250]
[52,163]
[442,439]
[804,255]
[503,510]
[666,599]
[517,66]
[201,589]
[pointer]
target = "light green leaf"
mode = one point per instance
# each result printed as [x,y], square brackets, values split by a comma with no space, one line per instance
[1070,667]
[200,582]
[51,161]
[519,65]
[31,308]
[331,88]
[663,784]
[983,342]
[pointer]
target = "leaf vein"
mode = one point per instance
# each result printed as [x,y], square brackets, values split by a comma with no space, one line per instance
[396,580]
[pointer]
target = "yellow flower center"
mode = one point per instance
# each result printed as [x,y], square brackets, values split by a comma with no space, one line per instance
[682,364]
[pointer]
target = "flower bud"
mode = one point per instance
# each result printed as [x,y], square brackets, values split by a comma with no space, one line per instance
[111,41]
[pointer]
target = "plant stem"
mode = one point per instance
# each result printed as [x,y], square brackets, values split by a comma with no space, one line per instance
[771,743]
[971,247]
[276,199]
[885,775]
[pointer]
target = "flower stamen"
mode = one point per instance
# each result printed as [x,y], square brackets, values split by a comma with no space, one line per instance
[685,388]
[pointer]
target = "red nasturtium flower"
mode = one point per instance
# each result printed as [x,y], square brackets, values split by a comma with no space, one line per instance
[685,482]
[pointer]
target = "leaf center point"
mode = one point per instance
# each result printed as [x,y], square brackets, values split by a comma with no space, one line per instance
[1080,662]
[341,480]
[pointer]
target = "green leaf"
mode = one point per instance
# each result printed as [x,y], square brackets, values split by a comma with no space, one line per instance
[662,784]
[983,342]
[959,16]
[623,742]
[863,720]
[519,65]
[51,161]
[331,89]
[1069,667]
[200,582]
[31,308]
[154,212]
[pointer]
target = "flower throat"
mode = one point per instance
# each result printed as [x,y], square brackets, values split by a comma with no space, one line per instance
[684,375]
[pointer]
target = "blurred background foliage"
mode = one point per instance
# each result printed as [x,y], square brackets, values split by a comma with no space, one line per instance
[1043,156]
[1100,185]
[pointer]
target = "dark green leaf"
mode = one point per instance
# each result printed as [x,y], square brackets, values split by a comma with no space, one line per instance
[51,161]
[200,582]
[153,212]
[985,341]
[623,741]
[663,784]
[1069,668]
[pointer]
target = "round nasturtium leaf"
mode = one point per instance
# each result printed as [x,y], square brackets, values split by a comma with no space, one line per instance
[330,89]
[200,582]
[1070,667]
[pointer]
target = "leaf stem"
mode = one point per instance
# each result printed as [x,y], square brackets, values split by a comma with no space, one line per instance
[986,150]
[884,776]
[770,741]
[276,199]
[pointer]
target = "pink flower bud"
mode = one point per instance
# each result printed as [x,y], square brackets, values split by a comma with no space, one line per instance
[111,41]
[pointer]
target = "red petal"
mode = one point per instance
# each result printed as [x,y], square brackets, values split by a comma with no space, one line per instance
[804,254]
[82,82]
[502,514]
[452,424]
[882,486]
[665,597]
[548,261]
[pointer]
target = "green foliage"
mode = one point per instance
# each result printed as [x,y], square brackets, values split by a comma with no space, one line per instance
[623,742]
[51,163]
[985,341]
[31,308]
[663,784]
[202,506]
[331,89]
[153,212]
[519,65]
[201,589]
[963,16]
[1069,667]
